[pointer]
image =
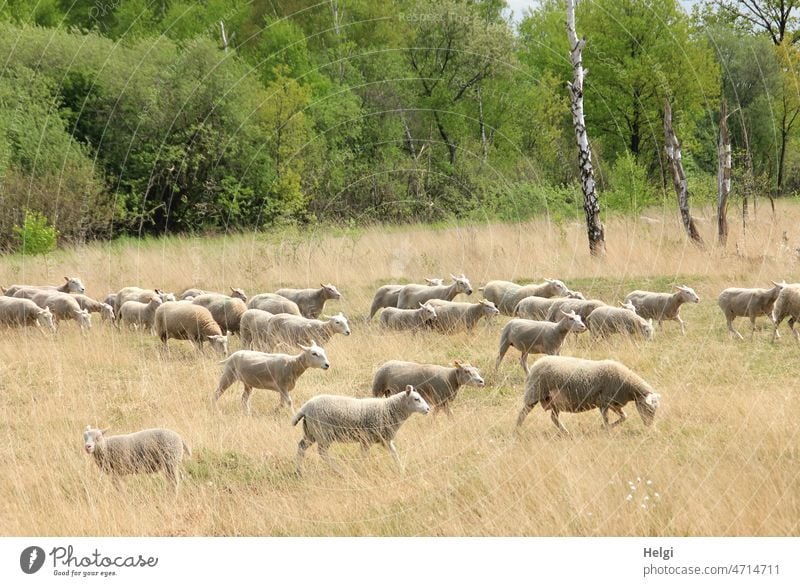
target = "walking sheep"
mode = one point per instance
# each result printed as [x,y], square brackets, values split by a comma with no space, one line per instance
[137,314]
[412,295]
[334,418]
[438,385]
[140,295]
[619,320]
[506,295]
[787,305]
[291,330]
[192,293]
[276,372]
[311,301]
[582,307]
[408,319]
[105,310]
[71,285]
[735,302]
[539,307]
[226,311]
[186,321]
[273,303]
[662,306]
[17,312]
[529,336]
[142,452]
[562,383]
[253,328]
[388,295]
[452,316]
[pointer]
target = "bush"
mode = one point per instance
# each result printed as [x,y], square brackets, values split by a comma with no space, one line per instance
[36,236]
[630,190]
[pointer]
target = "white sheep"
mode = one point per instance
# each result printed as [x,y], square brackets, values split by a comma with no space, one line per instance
[388,295]
[276,372]
[583,307]
[529,336]
[273,303]
[71,285]
[335,418]
[787,305]
[506,295]
[292,330]
[193,292]
[619,320]
[539,307]
[142,452]
[735,302]
[408,319]
[562,383]
[253,328]
[311,301]
[662,306]
[410,296]
[105,310]
[452,316]
[226,310]
[16,312]
[140,295]
[186,321]
[438,385]
[63,306]
[142,315]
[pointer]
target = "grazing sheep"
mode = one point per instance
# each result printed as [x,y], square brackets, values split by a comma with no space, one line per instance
[186,321]
[63,306]
[111,299]
[18,312]
[226,311]
[387,296]
[452,316]
[407,319]
[311,301]
[140,295]
[71,285]
[142,452]
[105,310]
[662,306]
[438,385]
[276,372]
[619,320]
[192,293]
[582,307]
[253,328]
[335,418]
[529,336]
[24,292]
[562,383]
[787,305]
[506,295]
[735,302]
[539,307]
[294,329]
[273,303]
[412,295]
[137,314]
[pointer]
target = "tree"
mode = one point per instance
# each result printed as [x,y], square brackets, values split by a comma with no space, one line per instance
[773,16]
[723,175]
[673,150]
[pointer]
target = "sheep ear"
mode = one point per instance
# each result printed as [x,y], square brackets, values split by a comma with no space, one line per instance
[105,430]
[409,388]
[421,304]
[305,348]
[66,279]
[457,363]
[88,428]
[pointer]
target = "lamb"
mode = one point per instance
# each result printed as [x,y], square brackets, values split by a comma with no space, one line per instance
[226,311]
[253,328]
[335,418]
[140,295]
[387,296]
[192,293]
[71,285]
[506,295]
[137,314]
[105,310]
[452,316]
[662,306]
[17,312]
[142,452]
[186,321]
[276,372]
[562,383]
[274,304]
[438,385]
[529,336]
[412,295]
[582,307]
[787,305]
[735,302]
[539,307]
[294,329]
[623,320]
[63,306]
[311,301]
[407,319]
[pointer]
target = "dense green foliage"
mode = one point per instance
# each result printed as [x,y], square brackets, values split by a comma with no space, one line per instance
[131,117]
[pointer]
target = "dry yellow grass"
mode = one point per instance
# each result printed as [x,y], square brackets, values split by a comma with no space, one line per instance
[722,459]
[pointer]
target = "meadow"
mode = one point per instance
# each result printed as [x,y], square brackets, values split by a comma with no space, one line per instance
[723,457]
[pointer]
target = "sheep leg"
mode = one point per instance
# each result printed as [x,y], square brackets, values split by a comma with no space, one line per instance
[286,400]
[323,453]
[248,390]
[524,413]
[227,379]
[173,477]
[501,353]
[523,360]
[302,446]
[618,410]
[794,332]
[680,321]
[733,331]
[556,421]
[752,327]
[395,456]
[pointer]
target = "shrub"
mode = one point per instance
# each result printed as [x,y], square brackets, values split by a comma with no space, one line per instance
[36,235]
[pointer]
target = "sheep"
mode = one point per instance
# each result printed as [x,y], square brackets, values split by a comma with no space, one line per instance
[538,307]
[294,329]
[501,293]
[412,295]
[562,383]
[438,385]
[582,307]
[387,296]
[273,303]
[140,295]
[452,315]
[105,310]
[787,305]
[735,302]
[143,452]
[63,306]
[24,312]
[71,285]
[111,299]
[623,320]
[506,295]
[226,311]
[189,294]
[311,301]
[253,328]
[529,336]
[335,418]
[662,306]
[186,321]
[276,372]
[137,314]
[407,319]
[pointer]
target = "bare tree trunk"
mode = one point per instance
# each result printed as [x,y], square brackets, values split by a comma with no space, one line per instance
[484,143]
[591,205]
[673,149]
[723,175]
[224,36]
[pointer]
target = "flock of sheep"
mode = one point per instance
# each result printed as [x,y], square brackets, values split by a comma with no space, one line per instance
[542,316]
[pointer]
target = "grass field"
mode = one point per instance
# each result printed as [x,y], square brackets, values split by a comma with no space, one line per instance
[723,457]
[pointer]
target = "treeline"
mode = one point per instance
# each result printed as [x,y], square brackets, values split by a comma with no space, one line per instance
[146,117]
